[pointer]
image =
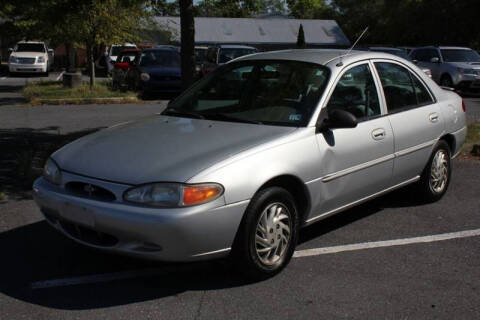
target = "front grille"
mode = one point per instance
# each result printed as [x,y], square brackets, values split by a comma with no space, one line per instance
[26,60]
[87,190]
[88,235]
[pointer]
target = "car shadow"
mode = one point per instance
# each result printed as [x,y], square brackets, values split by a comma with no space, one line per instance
[401,198]
[35,253]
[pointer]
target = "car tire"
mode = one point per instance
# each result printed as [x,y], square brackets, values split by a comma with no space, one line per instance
[270,221]
[435,178]
[115,85]
[446,81]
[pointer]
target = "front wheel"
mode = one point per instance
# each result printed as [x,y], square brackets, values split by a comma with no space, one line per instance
[268,234]
[436,175]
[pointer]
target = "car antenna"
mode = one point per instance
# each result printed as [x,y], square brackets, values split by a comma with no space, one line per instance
[351,48]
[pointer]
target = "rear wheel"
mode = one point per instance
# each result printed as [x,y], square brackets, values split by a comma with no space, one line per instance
[436,175]
[268,234]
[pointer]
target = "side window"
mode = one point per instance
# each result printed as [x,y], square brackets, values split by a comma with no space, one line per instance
[423,96]
[431,53]
[401,88]
[356,93]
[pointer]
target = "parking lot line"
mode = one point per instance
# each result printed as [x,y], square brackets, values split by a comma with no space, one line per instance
[106,277]
[61,74]
[386,243]
[3,78]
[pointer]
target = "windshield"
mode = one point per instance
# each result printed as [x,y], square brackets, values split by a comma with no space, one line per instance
[115,51]
[227,54]
[30,47]
[459,55]
[164,58]
[263,92]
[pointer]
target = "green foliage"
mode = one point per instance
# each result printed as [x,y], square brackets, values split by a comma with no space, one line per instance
[301,38]
[235,8]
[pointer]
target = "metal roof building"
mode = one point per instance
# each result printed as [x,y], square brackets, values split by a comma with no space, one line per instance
[262,32]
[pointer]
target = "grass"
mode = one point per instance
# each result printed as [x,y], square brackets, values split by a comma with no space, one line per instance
[54,92]
[473,137]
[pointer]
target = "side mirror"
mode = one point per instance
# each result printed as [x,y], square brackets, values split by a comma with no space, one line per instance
[435,60]
[10,50]
[339,119]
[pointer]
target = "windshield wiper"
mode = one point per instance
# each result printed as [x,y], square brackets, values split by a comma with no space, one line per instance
[182,113]
[227,117]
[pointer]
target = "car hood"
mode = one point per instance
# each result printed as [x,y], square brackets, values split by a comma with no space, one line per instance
[161,148]
[466,65]
[28,54]
[161,71]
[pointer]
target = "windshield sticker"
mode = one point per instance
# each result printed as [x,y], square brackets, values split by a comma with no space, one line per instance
[295,117]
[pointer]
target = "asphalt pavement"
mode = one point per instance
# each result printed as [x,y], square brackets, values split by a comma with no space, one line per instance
[391,258]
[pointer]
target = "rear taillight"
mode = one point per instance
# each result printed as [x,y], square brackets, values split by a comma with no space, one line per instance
[464,107]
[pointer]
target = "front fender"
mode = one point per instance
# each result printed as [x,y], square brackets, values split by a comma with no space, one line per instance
[242,176]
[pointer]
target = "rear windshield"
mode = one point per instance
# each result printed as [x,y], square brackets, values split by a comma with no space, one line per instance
[164,58]
[30,47]
[459,55]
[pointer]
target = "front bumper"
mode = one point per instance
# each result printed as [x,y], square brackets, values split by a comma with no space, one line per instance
[28,68]
[180,234]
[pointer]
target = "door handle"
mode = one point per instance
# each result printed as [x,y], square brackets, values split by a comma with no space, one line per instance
[378,134]
[433,117]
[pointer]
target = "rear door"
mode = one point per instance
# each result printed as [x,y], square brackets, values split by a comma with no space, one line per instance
[414,115]
[356,162]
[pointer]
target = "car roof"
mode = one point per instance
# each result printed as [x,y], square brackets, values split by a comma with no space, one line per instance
[126,50]
[386,48]
[443,47]
[319,56]
[169,49]
[233,46]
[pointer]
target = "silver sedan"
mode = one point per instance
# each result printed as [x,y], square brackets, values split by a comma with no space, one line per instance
[253,152]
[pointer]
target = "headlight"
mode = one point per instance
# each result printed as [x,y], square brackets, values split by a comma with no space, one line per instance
[145,76]
[173,194]
[12,59]
[41,59]
[52,172]
[466,71]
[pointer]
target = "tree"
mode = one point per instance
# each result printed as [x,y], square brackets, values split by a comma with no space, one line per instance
[187,33]
[301,38]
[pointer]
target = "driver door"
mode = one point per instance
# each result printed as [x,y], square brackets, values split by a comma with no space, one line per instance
[355,162]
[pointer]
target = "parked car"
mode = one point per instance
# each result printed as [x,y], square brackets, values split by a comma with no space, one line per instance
[221,54]
[30,57]
[156,70]
[113,52]
[124,64]
[200,59]
[250,154]
[400,53]
[454,67]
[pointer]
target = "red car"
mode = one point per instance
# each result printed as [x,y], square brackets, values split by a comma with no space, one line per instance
[124,64]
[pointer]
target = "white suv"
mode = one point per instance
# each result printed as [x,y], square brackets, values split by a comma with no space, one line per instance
[29,57]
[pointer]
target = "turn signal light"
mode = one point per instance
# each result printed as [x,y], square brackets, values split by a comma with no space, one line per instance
[464,107]
[193,195]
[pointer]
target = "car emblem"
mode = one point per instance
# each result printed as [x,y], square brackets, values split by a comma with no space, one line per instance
[89,189]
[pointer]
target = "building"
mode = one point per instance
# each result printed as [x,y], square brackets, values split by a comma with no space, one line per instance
[263,33]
